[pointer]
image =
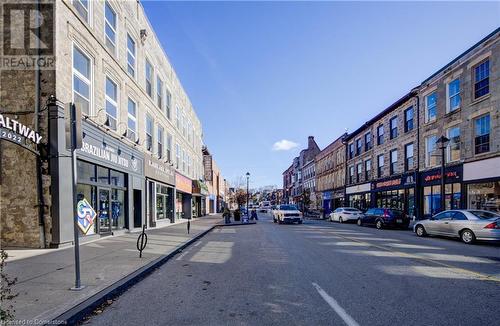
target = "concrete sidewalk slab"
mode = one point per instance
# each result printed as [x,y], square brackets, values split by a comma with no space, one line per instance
[43,280]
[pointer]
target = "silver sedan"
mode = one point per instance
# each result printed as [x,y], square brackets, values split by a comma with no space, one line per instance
[344,214]
[468,225]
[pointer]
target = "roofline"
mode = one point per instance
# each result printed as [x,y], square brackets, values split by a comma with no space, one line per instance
[462,55]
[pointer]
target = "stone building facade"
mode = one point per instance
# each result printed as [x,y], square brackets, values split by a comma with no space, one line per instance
[287,184]
[142,138]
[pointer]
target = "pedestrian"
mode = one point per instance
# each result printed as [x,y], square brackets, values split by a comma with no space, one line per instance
[254,215]
[227,215]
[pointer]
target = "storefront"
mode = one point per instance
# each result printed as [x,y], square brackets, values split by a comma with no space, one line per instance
[430,182]
[327,200]
[482,184]
[160,189]
[396,192]
[183,197]
[110,177]
[200,191]
[211,204]
[359,196]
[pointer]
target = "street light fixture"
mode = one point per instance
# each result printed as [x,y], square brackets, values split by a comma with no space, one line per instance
[442,143]
[248,177]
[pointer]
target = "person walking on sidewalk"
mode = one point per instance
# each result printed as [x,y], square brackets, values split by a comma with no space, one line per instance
[254,215]
[227,215]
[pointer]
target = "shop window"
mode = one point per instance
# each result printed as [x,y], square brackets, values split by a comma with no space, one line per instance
[117,209]
[484,196]
[89,193]
[409,119]
[430,107]
[130,55]
[482,134]
[432,198]
[453,149]
[380,135]
[117,178]
[110,27]
[453,96]
[102,175]
[86,171]
[408,157]
[394,127]
[482,79]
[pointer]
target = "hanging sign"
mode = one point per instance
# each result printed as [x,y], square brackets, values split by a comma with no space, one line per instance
[86,215]
[18,133]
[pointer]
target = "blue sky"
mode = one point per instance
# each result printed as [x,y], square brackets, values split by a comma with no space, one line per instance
[261,72]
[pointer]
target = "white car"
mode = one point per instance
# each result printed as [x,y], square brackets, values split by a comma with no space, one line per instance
[287,214]
[345,214]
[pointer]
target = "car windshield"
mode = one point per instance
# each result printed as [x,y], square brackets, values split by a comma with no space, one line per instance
[288,208]
[484,215]
[396,213]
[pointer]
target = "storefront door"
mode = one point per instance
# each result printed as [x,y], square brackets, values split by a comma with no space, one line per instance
[104,210]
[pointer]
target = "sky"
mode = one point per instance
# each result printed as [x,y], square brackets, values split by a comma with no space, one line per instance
[263,76]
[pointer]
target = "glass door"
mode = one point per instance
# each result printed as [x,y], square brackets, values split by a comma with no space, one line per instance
[104,210]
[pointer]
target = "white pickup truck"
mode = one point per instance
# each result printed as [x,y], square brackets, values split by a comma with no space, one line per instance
[287,214]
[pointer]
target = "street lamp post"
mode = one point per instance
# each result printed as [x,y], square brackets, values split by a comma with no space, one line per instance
[248,177]
[442,142]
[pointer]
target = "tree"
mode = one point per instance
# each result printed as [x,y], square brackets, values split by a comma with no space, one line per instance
[306,199]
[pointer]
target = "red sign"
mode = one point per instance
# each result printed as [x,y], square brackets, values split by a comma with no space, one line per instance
[388,183]
[432,177]
[183,184]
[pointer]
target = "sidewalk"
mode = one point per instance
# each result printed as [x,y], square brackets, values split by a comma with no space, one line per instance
[43,280]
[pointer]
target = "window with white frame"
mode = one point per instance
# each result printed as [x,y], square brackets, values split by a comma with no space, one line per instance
[110,27]
[409,156]
[159,141]
[482,79]
[482,134]
[159,92]
[380,165]
[149,78]
[83,9]
[430,151]
[149,132]
[183,160]
[82,76]
[178,118]
[453,95]
[168,102]
[169,147]
[111,103]
[130,55]
[430,107]
[394,161]
[132,120]
[177,156]
[453,148]
[183,123]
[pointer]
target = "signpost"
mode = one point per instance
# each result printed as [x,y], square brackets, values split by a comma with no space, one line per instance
[75,140]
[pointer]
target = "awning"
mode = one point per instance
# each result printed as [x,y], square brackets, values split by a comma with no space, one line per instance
[199,187]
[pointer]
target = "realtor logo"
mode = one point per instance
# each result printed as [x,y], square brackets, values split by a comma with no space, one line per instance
[28,35]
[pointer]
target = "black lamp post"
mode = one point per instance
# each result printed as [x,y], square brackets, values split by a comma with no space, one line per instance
[442,142]
[248,177]
[344,142]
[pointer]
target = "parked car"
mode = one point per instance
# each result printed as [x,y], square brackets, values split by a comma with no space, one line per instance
[468,225]
[287,214]
[345,214]
[384,217]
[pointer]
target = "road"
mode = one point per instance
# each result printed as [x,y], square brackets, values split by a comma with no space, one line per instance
[317,273]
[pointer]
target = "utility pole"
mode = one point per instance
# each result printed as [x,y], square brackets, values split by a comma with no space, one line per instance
[248,194]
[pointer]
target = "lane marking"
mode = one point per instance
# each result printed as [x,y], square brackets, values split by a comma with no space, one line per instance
[335,306]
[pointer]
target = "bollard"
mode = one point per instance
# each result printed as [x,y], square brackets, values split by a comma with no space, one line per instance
[142,240]
[188,226]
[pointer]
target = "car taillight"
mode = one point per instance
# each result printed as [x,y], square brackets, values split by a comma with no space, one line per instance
[386,215]
[493,225]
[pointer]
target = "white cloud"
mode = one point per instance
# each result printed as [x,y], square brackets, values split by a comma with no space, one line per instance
[284,145]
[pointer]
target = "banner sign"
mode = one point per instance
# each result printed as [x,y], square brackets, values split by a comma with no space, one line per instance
[86,215]
[18,133]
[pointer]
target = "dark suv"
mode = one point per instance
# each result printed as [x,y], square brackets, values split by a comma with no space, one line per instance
[384,217]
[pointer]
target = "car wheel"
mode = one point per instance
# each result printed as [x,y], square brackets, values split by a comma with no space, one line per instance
[467,236]
[340,220]
[420,231]
[359,222]
[379,225]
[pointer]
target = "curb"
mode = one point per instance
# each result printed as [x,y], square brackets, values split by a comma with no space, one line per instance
[238,224]
[81,310]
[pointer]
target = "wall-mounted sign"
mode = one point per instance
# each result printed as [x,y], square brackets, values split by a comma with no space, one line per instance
[86,215]
[158,170]
[406,180]
[183,184]
[451,174]
[19,133]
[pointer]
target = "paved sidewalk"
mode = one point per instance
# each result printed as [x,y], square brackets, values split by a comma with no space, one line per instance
[43,280]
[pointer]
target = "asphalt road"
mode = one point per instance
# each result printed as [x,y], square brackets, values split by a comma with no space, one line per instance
[318,273]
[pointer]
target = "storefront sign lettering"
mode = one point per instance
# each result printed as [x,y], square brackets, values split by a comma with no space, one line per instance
[160,171]
[86,215]
[452,174]
[108,155]
[388,183]
[183,184]
[18,128]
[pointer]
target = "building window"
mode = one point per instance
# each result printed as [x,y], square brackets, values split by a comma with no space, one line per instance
[368,169]
[178,118]
[484,196]
[351,174]
[359,171]
[111,103]
[368,141]
[168,103]
[453,149]
[430,107]
[430,149]
[149,133]
[177,156]
[482,79]
[394,127]
[409,119]
[351,151]
[380,165]
[132,120]
[169,147]
[394,161]
[83,9]
[82,86]
[149,79]
[159,92]
[409,156]
[130,55]
[482,134]
[160,142]
[380,135]
[453,95]
[110,27]
[359,146]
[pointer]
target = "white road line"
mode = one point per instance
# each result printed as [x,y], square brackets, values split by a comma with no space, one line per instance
[335,306]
